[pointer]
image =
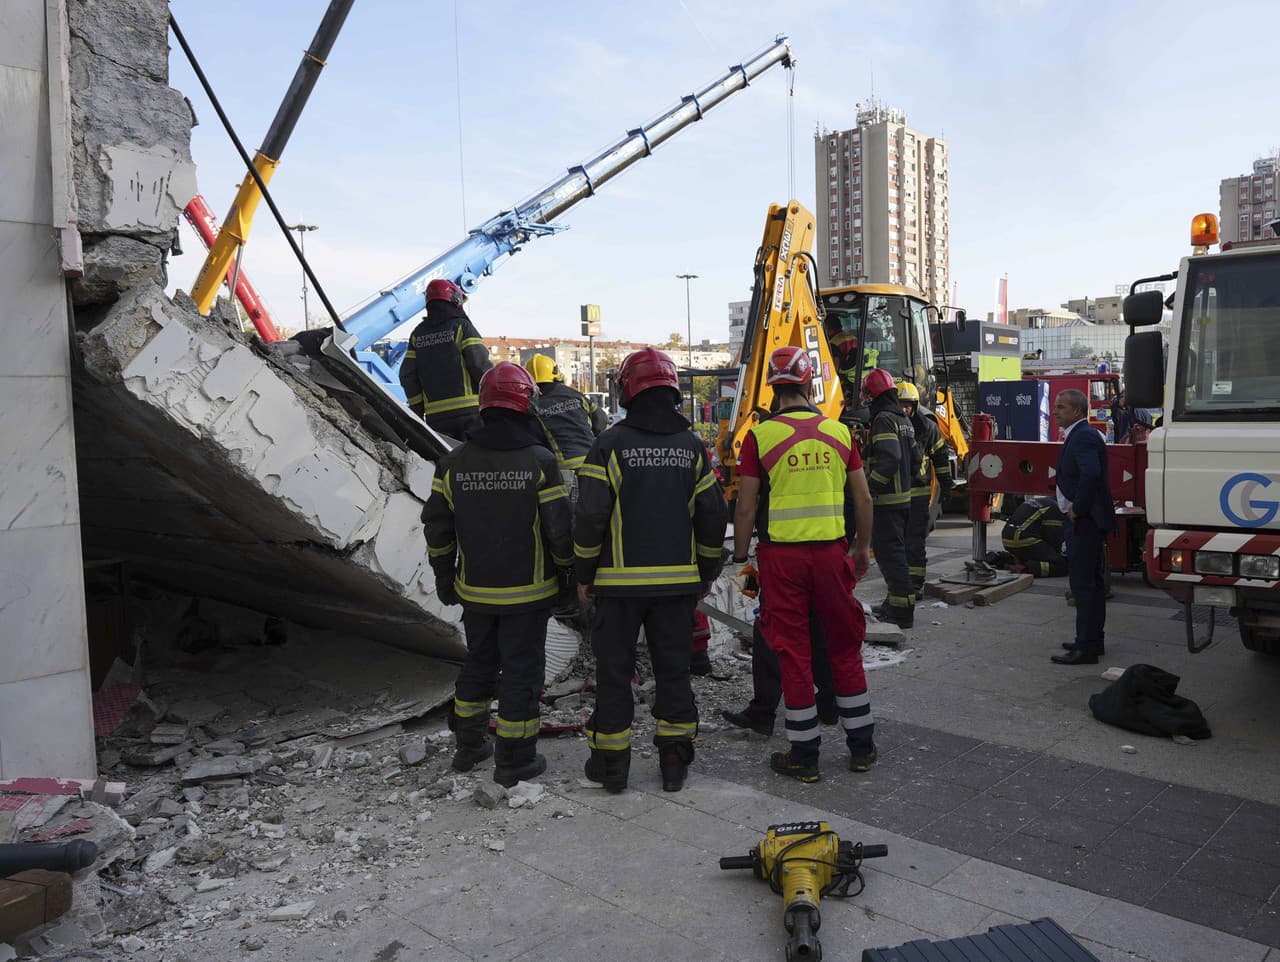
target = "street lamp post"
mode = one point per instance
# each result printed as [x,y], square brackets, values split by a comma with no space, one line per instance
[688,320]
[302,247]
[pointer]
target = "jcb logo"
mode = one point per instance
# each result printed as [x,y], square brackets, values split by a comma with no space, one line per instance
[819,389]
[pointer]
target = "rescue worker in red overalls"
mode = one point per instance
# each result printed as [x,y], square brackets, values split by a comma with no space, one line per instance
[500,543]
[796,469]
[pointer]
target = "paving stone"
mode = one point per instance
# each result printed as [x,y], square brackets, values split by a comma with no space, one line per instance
[936,794]
[1265,928]
[976,774]
[961,834]
[1021,893]
[891,814]
[1208,905]
[1035,789]
[1251,837]
[1002,814]
[1253,879]
[1039,856]
[1116,879]
[1160,938]
[1070,829]
[1114,796]
[1001,756]
[1152,852]
[1195,801]
[1180,826]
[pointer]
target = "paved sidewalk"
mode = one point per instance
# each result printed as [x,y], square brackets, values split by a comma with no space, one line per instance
[636,876]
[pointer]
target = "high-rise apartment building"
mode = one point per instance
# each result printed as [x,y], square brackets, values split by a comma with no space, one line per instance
[1248,203]
[737,327]
[882,204]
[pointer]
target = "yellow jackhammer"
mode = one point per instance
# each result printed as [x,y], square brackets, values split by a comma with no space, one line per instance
[804,862]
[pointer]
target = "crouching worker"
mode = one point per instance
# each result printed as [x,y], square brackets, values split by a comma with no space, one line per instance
[1034,537]
[498,503]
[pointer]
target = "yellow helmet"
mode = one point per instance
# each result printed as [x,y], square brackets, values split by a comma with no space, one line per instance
[543,369]
[907,392]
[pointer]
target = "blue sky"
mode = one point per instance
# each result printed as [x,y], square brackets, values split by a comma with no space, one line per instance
[1083,137]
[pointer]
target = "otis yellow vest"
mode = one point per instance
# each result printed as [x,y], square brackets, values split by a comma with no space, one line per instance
[804,459]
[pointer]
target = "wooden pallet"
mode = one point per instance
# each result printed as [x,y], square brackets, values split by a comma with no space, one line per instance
[956,593]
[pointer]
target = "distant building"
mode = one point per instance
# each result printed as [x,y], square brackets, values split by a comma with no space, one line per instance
[737,327]
[883,214]
[1108,309]
[1248,203]
[1035,318]
[574,356]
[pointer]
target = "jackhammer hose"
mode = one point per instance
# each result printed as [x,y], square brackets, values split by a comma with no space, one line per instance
[64,857]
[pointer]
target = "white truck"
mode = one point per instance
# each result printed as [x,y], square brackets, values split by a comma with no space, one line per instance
[1213,466]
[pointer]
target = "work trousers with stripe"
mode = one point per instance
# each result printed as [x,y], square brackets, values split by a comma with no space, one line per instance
[766,672]
[917,532]
[889,542]
[668,626]
[510,645]
[1040,559]
[796,579]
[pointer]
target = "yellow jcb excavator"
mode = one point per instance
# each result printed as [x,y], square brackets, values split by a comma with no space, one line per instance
[847,331]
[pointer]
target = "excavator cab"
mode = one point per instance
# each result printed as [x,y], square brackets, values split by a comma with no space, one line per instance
[878,325]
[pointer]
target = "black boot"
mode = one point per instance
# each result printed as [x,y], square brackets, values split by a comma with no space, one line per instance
[673,762]
[609,769]
[759,723]
[472,737]
[517,760]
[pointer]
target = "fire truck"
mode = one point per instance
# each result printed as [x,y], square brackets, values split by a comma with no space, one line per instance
[1212,480]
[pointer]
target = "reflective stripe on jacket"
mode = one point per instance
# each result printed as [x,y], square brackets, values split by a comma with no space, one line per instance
[498,526]
[566,416]
[892,458]
[651,518]
[446,358]
[805,458]
[933,451]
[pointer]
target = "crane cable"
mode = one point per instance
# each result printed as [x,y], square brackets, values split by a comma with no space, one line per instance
[457,77]
[791,128]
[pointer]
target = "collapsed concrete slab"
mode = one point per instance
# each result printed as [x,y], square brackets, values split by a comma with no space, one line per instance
[219,471]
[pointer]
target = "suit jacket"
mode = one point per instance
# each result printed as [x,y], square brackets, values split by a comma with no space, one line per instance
[1083,476]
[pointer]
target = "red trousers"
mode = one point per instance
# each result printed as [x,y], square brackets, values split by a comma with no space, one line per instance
[701,631]
[798,578]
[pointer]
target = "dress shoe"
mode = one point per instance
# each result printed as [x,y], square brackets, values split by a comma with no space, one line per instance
[1074,657]
[1071,646]
[759,724]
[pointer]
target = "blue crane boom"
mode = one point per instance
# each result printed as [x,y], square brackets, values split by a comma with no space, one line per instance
[466,262]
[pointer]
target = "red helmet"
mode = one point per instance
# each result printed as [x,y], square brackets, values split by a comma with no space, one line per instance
[442,289]
[643,369]
[790,365]
[507,385]
[877,381]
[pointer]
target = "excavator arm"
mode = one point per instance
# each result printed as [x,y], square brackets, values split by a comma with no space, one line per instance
[785,312]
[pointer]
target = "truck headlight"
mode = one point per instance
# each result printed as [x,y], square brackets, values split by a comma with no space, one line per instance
[1214,563]
[1264,566]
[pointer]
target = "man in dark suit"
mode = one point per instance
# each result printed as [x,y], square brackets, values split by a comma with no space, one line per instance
[1084,495]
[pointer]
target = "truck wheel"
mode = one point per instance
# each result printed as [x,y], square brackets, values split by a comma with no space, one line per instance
[1260,640]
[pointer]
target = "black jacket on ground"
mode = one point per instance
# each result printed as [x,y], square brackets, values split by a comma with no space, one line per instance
[651,517]
[1143,700]
[446,358]
[498,521]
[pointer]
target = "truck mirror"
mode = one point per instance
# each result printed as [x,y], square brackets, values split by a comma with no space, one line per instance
[961,319]
[1143,309]
[1144,367]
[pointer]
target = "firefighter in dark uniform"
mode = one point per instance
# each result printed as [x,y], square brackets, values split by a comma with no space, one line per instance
[500,544]
[797,470]
[444,363]
[571,421]
[648,539]
[1034,536]
[892,461]
[933,453]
